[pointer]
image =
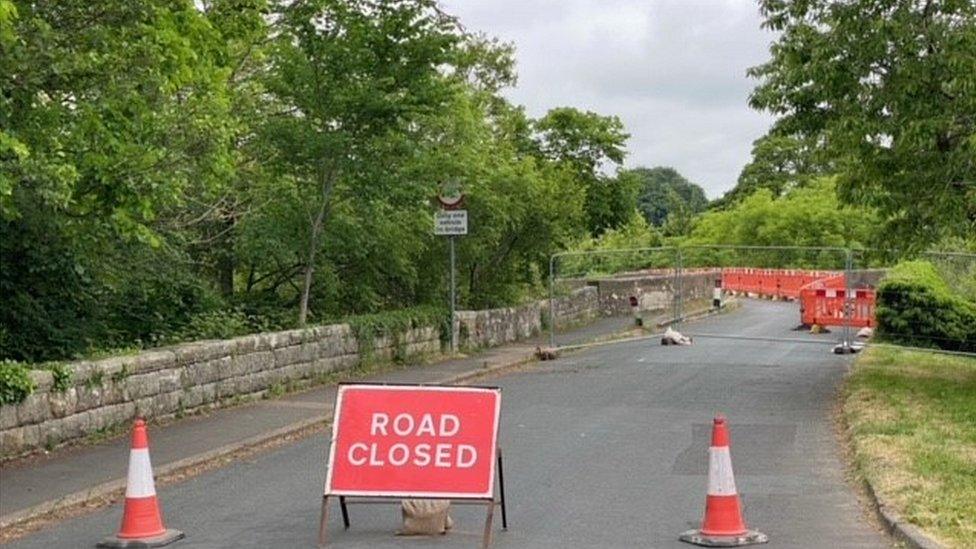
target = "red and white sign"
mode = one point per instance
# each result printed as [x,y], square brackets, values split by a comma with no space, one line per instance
[414,441]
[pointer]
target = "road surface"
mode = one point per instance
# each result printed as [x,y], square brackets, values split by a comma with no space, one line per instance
[604,448]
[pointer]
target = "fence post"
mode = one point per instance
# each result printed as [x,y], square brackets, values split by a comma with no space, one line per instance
[845,347]
[552,305]
[678,281]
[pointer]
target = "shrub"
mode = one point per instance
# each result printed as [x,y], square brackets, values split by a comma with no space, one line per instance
[15,383]
[62,374]
[394,323]
[917,307]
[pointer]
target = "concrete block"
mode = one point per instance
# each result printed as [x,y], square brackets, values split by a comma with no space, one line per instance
[62,404]
[34,409]
[43,380]
[169,380]
[145,407]
[142,385]
[201,351]
[8,416]
[246,344]
[227,388]
[148,361]
[75,426]
[12,441]
[296,353]
[89,396]
[167,403]
[31,437]
[209,371]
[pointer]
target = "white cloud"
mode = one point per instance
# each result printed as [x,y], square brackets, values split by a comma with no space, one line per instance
[673,70]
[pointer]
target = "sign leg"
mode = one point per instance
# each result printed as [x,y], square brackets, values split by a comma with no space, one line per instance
[324,521]
[501,487]
[345,512]
[486,543]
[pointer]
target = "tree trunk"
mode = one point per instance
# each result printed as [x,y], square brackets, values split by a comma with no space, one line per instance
[225,275]
[328,180]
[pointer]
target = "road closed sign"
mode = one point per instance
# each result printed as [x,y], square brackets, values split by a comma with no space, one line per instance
[414,441]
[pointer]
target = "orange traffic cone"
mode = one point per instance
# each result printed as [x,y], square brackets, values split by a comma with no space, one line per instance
[723,525]
[142,522]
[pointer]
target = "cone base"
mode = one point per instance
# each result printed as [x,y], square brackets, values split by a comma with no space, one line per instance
[749,538]
[166,538]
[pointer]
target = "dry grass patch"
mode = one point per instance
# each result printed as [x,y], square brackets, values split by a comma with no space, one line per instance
[912,419]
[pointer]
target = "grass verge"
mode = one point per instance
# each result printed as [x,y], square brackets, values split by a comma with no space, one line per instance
[911,417]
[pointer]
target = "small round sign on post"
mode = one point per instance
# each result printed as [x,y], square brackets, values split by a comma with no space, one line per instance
[450,196]
[451,221]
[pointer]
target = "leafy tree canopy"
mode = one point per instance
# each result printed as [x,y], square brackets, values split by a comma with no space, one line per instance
[808,216]
[664,191]
[887,89]
[589,144]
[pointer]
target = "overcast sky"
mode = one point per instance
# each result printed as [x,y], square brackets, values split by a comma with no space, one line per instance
[672,70]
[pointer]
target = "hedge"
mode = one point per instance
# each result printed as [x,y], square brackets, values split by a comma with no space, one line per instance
[917,307]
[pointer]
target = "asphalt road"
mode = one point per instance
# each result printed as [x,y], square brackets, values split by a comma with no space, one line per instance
[604,448]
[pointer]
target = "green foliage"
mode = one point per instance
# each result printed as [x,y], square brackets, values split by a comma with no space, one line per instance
[95,379]
[917,307]
[809,216]
[598,255]
[172,171]
[219,324]
[394,325]
[664,191]
[885,90]
[62,375]
[15,383]
[779,163]
[585,142]
[368,327]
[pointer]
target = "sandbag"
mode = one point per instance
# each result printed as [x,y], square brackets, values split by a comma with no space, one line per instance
[425,517]
[673,337]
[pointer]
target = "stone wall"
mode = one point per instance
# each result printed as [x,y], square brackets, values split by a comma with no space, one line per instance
[168,381]
[654,291]
[491,327]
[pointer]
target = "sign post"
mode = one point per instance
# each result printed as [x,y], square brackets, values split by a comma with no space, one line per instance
[415,441]
[454,331]
[451,222]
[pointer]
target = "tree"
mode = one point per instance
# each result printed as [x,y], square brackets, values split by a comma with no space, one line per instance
[588,143]
[663,190]
[887,89]
[111,116]
[806,216]
[779,163]
[352,73]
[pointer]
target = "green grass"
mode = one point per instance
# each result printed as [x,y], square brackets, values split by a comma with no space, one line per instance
[911,416]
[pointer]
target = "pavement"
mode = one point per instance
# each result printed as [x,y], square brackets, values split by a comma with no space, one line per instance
[606,447]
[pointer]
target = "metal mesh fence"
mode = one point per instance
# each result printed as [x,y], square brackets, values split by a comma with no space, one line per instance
[827,295]
[604,284]
[927,301]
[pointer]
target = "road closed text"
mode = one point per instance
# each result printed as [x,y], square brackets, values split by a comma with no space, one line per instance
[400,440]
[421,454]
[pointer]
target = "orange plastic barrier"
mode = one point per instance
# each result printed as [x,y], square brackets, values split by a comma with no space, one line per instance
[825,306]
[822,294]
[770,282]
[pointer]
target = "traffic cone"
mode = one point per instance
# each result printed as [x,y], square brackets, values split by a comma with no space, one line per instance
[723,525]
[142,522]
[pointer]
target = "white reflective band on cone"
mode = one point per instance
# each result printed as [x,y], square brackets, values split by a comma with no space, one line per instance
[140,481]
[720,479]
